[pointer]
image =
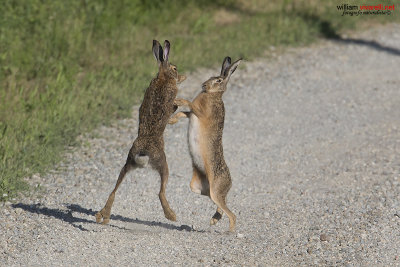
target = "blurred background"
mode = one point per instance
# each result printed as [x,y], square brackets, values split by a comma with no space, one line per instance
[68,66]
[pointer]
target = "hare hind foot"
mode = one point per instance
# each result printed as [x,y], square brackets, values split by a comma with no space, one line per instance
[170,214]
[102,217]
[217,216]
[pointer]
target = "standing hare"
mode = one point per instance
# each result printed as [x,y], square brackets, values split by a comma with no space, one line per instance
[211,175]
[154,113]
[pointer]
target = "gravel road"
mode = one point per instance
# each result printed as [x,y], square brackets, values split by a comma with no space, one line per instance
[312,139]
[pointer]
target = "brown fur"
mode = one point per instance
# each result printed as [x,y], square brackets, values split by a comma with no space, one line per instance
[211,175]
[154,113]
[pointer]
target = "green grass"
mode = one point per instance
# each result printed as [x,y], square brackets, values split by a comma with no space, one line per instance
[66,67]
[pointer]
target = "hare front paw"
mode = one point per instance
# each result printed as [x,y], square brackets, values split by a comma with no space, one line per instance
[181,102]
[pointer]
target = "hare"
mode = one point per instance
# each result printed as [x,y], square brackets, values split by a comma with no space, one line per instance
[211,175]
[154,113]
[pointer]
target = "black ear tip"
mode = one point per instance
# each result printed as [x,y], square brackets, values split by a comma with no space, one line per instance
[228,59]
[167,44]
[155,43]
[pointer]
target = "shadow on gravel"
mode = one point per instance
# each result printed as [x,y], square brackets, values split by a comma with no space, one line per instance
[370,44]
[66,216]
[327,31]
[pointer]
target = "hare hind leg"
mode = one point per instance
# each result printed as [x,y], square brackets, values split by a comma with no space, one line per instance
[218,196]
[160,164]
[103,216]
[199,183]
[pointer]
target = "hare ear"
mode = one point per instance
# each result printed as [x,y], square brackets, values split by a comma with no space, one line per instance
[225,66]
[232,68]
[167,46]
[158,51]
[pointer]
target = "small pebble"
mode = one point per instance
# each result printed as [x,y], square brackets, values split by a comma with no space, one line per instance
[239,235]
[323,237]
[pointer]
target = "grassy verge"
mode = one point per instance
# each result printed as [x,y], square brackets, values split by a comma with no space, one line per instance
[68,67]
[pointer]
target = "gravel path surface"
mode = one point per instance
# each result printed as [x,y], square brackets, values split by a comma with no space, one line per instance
[312,139]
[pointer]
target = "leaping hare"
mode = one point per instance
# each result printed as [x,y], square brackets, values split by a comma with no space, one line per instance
[211,175]
[154,113]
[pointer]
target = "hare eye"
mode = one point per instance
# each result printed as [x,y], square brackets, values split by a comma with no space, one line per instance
[219,80]
[174,68]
